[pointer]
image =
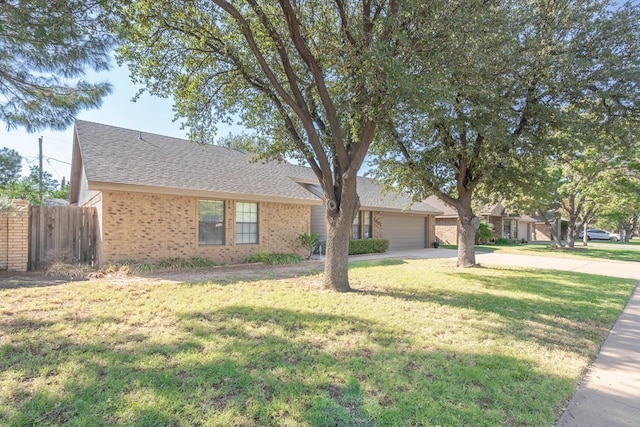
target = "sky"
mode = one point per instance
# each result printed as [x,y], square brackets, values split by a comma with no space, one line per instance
[147,114]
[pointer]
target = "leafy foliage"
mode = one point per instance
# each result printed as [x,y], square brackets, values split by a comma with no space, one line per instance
[368,246]
[508,81]
[485,232]
[309,241]
[313,79]
[28,187]
[10,165]
[45,48]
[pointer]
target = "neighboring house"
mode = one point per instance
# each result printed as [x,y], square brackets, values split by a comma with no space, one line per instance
[543,231]
[159,197]
[512,227]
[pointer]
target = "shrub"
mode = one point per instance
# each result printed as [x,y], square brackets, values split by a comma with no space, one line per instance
[274,258]
[309,241]
[484,233]
[368,246]
[504,242]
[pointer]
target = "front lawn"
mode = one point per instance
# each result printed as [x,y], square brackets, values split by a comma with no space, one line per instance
[419,343]
[595,250]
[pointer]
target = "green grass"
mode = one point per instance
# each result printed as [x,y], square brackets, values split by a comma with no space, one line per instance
[595,250]
[419,343]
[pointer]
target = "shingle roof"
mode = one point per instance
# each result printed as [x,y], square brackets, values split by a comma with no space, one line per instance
[494,210]
[372,194]
[438,203]
[113,155]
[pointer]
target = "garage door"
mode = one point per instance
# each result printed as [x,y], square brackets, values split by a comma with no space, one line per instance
[404,231]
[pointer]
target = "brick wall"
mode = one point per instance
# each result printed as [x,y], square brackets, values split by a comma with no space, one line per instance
[377,231]
[446,230]
[150,227]
[431,230]
[542,232]
[14,237]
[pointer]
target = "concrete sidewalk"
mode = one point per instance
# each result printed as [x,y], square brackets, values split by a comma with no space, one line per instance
[609,394]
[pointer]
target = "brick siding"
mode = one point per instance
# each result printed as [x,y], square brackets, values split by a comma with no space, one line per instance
[431,231]
[542,232]
[14,238]
[151,227]
[446,230]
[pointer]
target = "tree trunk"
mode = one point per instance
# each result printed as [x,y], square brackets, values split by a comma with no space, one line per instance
[573,219]
[634,225]
[571,235]
[469,224]
[558,230]
[339,228]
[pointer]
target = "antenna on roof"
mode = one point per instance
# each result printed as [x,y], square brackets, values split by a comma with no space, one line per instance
[140,136]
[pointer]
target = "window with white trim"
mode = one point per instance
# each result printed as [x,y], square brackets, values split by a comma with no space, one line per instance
[367,225]
[246,223]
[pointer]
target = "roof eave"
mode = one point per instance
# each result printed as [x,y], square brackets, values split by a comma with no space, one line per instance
[398,210]
[109,186]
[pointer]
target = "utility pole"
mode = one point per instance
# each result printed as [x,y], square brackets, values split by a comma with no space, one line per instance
[40,189]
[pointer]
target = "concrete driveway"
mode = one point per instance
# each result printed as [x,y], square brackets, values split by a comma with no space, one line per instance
[609,393]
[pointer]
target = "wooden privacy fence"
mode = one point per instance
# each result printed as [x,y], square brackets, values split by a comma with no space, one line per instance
[61,234]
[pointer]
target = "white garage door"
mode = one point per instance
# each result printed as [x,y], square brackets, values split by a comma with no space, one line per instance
[404,231]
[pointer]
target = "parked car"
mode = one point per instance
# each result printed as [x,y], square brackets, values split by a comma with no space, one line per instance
[593,234]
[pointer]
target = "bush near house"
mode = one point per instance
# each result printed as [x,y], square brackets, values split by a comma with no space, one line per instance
[368,246]
[357,246]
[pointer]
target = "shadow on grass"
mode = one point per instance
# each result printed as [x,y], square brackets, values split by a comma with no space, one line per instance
[243,365]
[29,279]
[240,273]
[541,305]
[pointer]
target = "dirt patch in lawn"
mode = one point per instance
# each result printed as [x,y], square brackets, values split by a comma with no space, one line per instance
[219,275]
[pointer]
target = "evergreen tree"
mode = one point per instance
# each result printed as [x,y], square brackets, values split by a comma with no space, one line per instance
[45,48]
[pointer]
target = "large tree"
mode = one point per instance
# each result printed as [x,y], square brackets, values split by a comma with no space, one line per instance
[46,46]
[313,78]
[513,73]
[620,197]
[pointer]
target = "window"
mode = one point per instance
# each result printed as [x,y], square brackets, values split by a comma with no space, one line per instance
[506,229]
[356,226]
[246,222]
[367,225]
[362,226]
[210,222]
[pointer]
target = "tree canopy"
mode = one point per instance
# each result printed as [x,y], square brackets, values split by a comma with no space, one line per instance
[512,76]
[46,46]
[314,79]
